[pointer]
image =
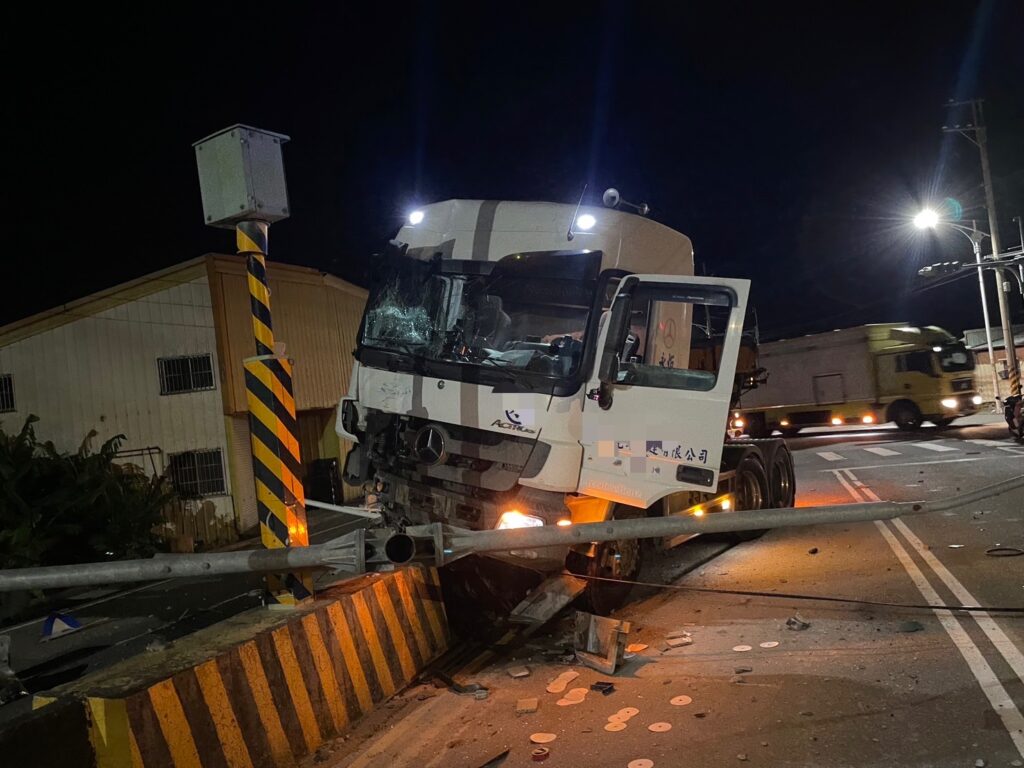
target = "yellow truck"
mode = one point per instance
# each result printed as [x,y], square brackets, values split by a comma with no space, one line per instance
[870,374]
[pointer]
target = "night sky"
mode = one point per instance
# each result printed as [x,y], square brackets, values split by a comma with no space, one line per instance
[790,141]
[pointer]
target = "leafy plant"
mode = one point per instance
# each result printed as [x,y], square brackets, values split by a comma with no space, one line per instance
[58,508]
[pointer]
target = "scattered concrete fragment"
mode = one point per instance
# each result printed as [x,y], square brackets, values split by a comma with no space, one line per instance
[517,672]
[742,757]
[737,679]
[797,624]
[742,670]
[678,642]
[527,706]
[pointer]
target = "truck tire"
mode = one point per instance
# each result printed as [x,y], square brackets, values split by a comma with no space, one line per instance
[782,478]
[612,560]
[751,489]
[778,464]
[906,415]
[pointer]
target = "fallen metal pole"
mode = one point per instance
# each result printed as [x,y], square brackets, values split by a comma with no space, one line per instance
[361,550]
[459,542]
[354,511]
[346,553]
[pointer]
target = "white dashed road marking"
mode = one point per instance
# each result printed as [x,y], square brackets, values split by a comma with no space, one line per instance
[882,451]
[934,447]
[829,456]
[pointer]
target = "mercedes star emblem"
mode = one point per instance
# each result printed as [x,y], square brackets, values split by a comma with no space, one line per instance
[428,446]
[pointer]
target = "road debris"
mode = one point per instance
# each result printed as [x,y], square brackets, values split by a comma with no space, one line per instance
[680,701]
[742,757]
[497,760]
[659,727]
[910,626]
[542,738]
[742,670]
[559,684]
[956,546]
[737,679]
[527,706]
[979,763]
[604,687]
[600,642]
[742,648]
[679,641]
[1001,551]
[518,672]
[812,551]
[797,624]
[636,647]
[540,754]
[769,644]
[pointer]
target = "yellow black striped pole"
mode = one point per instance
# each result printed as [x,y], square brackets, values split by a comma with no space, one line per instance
[280,500]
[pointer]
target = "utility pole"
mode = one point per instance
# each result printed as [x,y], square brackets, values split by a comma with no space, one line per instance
[977,133]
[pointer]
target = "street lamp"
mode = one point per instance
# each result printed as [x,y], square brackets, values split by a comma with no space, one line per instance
[929,219]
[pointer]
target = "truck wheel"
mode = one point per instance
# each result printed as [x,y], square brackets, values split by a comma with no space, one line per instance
[782,477]
[906,415]
[613,560]
[752,491]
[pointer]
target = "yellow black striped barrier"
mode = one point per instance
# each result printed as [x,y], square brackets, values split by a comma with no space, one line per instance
[276,696]
[277,464]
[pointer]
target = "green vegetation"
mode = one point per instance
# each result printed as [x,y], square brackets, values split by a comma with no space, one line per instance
[58,508]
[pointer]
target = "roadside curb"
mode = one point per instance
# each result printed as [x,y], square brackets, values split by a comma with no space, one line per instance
[264,688]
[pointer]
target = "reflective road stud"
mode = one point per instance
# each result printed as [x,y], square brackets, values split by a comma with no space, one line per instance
[280,500]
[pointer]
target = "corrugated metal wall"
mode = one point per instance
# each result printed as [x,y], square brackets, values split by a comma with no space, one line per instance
[99,372]
[315,315]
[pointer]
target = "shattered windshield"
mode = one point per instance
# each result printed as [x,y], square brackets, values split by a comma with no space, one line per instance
[527,312]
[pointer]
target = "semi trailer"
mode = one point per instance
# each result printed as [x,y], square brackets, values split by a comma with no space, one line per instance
[870,374]
[538,364]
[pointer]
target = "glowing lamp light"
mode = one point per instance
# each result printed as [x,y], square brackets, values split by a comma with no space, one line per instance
[926,219]
[415,217]
[784,423]
[516,519]
[949,402]
[836,421]
[936,349]
[869,419]
[585,221]
[564,522]
[726,505]
[977,399]
[698,512]
[739,423]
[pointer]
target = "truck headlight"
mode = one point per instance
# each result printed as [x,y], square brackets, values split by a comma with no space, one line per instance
[949,402]
[977,400]
[516,519]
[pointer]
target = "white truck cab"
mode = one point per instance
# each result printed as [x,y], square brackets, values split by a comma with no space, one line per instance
[538,364]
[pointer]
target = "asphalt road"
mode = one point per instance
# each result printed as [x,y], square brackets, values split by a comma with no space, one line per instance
[863,685]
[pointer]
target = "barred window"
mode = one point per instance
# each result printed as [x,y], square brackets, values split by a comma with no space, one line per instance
[191,373]
[197,473]
[6,392]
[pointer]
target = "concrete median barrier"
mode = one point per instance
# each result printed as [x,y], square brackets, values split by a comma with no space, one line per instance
[264,688]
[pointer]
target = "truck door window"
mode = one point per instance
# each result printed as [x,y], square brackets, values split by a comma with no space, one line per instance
[674,338]
[916,362]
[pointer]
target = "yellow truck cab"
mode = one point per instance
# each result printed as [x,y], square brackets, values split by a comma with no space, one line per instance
[868,374]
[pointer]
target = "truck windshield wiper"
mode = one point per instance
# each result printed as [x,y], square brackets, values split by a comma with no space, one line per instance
[503,366]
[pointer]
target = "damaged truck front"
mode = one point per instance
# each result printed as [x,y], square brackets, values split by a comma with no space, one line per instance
[530,364]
